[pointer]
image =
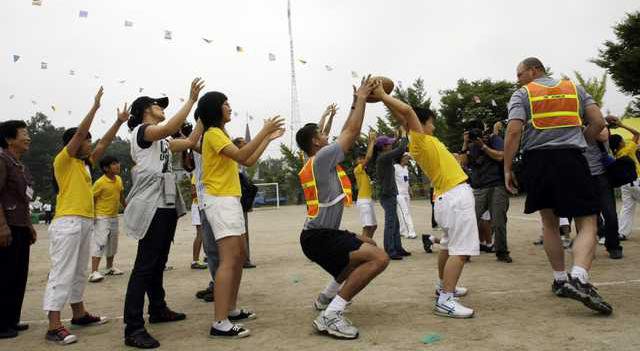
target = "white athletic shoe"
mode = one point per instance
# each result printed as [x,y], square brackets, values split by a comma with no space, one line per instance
[113,271]
[460,291]
[412,236]
[334,323]
[96,277]
[601,241]
[452,308]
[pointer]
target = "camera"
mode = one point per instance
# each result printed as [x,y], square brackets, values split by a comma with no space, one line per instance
[475,134]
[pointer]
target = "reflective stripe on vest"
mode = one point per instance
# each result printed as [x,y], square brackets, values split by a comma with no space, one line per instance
[310,189]
[554,107]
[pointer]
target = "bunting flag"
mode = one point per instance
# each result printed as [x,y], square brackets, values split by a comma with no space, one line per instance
[140,90]
[493,103]
[476,98]
[53,108]
[103,121]
[302,61]
[167,34]
[247,134]
[354,74]
[72,72]
[272,57]
[11,96]
[181,100]
[69,112]
[122,81]
[328,68]
[43,65]
[239,49]
[235,114]
[208,41]
[83,14]
[16,58]
[34,102]
[164,95]
[36,2]
[128,23]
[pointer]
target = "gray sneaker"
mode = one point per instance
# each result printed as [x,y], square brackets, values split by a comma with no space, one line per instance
[322,302]
[335,324]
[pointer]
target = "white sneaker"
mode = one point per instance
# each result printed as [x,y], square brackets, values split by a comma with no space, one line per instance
[96,277]
[601,241]
[452,308]
[460,291]
[412,236]
[113,271]
[334,323]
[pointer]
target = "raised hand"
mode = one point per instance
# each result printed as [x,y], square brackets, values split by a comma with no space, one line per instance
[96,100]
[277,134]
[196,87]
[367,85]
[273,124]
[123,115]
[332,109]
[372,136]
[379,92]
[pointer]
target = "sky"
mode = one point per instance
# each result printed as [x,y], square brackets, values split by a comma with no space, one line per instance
[440,41]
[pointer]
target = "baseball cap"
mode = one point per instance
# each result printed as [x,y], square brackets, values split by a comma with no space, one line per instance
[384,140]
[141,103]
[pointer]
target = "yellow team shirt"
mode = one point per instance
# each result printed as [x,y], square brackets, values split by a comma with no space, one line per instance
[106,194]
[629,149]
[363,181]
[219,173]
[194,199]
[74,186]
[436,162]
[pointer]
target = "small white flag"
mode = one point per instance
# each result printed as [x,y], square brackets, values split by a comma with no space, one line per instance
[34,102]
[167,34]
[208,41]
[128,23]
[164,95]
[140,90]
[43,65]
[272,57]
[84,14]
[235,114]
[493,103]
[181,99]
[16,58]
[72,72]
[11,96]
[121,81]
[354,74]
[103,121]
[53,108]
[328,68]
[304,62]
[400,84]
[69,112]
[36,2]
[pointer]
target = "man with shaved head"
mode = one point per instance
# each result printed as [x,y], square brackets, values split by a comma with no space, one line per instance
[556,120]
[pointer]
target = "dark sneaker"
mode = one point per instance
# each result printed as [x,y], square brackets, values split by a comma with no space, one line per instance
[427,243]
[237,331]
[565,230]
[201,293]
[588,295]
[405,253]
[396,257]
[615,254]
[249,265]
[557,287]
[488,248]
[21,327]
[61,336]
[8,333]
[208,297]
[166,316]
[504,258]
[244,314]
[141,339]
[538,242]
[198,265]
[88,320]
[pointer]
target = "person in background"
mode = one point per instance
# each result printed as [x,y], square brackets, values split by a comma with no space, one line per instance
[196,222]
[365,202]
[249,192]
[401,169]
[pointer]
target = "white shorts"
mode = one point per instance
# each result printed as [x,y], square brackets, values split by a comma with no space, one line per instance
[195,215]
[455,213]
[367,212]
[104,240]
[486,216]
[225,215]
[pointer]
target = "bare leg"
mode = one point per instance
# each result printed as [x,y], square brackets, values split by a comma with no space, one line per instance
[584,245]
[197,243]
[442,261]
[109,262]
[551,240]
[452,271]
[364,265]
[95,263]
[78,309]
[231,252]
[368,231]
[484,228]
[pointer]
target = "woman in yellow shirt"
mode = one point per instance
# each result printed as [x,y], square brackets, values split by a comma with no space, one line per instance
[222,206]
[365,200]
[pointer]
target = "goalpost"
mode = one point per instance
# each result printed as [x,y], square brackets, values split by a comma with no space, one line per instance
[268,196]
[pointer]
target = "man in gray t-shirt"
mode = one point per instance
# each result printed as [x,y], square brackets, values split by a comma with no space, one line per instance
[339,252]
[556,174]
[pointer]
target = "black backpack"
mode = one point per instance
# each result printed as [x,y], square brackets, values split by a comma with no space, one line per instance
[620,171]
[249,192]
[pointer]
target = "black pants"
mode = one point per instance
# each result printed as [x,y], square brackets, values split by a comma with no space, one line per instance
[147,274]
[434,224]
[608,224]
[14,269]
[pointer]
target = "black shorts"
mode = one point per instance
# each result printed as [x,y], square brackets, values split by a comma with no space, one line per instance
[330,248]
[559,180]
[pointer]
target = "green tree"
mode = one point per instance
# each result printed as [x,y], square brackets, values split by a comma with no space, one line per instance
[621,58]
[633,109]
[596,87]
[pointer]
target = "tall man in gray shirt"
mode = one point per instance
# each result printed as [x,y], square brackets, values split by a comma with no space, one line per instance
[351,259]
[556,173]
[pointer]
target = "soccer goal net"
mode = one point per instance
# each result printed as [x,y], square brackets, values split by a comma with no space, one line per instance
[268,196]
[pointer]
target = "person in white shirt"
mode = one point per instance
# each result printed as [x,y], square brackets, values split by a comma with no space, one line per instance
[407,229]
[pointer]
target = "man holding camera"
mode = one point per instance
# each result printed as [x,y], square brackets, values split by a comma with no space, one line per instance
[484,150]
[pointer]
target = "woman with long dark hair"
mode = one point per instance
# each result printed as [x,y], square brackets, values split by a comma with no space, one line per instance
[222,206]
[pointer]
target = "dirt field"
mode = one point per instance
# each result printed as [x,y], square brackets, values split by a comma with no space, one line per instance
[515,309]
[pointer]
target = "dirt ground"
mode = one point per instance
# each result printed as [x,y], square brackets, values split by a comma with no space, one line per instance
[515,309]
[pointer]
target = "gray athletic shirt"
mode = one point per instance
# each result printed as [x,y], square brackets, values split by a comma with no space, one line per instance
[329,188]
[561,138]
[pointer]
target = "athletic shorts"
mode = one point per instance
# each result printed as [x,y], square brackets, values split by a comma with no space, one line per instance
[195,215]
[105,237]
[225,215]
[366,207]
[329,248]
[559,180]
[455,212]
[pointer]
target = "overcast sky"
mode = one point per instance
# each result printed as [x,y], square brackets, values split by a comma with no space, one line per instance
[440,41]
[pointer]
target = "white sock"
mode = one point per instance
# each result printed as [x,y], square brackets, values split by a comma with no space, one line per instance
[235,312]
[560,276]
[338,304]
[331,290]
[444,296]
[224,325]
[580,273]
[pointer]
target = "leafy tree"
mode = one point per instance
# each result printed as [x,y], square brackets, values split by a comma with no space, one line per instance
[596,87]
[633,109]
[622,57]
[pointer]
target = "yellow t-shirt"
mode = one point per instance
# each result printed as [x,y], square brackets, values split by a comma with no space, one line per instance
[194,198]
[75,197]
[219,173]
[436,162]
[363,181]
[629,149]
[106,194]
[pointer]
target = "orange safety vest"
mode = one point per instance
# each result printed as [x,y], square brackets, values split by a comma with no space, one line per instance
[310,189]
[554,107]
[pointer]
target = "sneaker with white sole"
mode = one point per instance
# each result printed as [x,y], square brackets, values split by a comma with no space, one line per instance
[335,324]
[601,240]
[96,277]
[452,308]
[61,336]
[237,331]
[113,271]
[460,291]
